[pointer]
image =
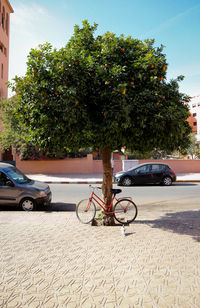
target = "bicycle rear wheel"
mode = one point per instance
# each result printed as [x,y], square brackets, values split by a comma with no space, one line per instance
[125,211]
[85,211]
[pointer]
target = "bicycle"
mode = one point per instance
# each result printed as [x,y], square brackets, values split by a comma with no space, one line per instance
[125,210]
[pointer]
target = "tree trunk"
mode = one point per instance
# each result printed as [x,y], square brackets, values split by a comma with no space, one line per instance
[108,219]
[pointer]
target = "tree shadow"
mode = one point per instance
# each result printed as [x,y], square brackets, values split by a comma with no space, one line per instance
[184,223]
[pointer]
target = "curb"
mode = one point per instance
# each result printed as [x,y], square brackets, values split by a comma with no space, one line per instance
[188,181]
[100,182]
[73,182]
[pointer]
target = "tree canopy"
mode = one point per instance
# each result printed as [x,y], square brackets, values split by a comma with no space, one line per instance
[100,91]
[105,92]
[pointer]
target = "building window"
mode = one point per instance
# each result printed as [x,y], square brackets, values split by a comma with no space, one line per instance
[7,23]
[194,123]
[194,114]
[3,49]
[2,70]
[3,18]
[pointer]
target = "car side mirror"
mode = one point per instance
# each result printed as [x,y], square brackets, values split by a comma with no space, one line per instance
[9,183]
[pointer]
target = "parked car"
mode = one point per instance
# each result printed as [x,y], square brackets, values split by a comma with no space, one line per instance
[17,189]
[149,173]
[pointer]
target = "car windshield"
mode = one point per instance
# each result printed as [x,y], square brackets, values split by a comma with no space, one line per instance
[17,176]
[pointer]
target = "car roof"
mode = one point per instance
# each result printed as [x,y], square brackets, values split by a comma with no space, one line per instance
[5,165]
[145,164]
[151,163]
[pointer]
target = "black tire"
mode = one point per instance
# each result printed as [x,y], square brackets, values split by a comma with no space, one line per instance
[85,212]
[125,211]
[27,204]
[167,181]
[127,181]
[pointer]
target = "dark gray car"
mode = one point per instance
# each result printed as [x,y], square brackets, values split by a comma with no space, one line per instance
[149,173]
[17,189]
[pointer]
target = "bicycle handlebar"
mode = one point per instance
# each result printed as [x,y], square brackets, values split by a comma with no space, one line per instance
[94,187]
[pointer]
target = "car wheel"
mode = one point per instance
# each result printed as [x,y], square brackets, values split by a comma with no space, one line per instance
[27,204]
[167,181]
[126,181]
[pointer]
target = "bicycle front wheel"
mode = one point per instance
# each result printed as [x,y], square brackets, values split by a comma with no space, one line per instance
[85,211]
[125,211]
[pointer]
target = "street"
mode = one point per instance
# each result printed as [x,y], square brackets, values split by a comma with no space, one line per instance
[180,195]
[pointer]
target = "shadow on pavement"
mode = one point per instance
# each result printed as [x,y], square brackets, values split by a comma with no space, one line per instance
[54,207]
[10,208]
[185,223]
[61,207]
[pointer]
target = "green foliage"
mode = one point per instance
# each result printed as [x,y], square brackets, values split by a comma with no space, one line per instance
[11,126]
[193,149]
[100,91]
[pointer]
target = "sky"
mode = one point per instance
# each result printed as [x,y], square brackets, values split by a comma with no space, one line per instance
[172,23]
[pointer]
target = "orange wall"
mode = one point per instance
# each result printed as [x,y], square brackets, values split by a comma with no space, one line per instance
[65,166]
[88,165]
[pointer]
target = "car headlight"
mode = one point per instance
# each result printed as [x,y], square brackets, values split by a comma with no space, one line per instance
[42,194]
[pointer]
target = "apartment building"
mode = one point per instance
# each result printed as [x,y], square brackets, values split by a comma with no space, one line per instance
[5,11]
[194,119]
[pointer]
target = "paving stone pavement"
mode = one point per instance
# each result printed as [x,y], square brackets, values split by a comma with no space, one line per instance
[50,260]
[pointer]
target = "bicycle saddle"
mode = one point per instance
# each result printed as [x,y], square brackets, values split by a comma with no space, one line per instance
[115,191]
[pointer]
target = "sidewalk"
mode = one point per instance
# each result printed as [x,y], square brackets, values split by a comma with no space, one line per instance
[50,260]
[96,178]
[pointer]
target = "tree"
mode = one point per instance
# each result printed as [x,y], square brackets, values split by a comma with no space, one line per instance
[106,92]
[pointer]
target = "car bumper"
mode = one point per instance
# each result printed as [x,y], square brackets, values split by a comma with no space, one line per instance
[116,180]
[45,200]
[174,179]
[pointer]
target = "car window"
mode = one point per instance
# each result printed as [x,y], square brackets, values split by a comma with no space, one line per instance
[142,169]
[157,167]
[17,176]
[3,179]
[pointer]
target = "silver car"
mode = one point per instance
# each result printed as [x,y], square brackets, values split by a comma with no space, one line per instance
[17,189]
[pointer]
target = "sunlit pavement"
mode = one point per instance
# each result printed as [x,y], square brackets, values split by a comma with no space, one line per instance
[97,178]
[49,259]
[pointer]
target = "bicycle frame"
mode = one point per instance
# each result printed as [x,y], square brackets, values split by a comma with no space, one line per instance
[101,203]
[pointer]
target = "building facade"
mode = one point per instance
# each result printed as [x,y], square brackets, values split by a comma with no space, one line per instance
[194,119]
[5,11]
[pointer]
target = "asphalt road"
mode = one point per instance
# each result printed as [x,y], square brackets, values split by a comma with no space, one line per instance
[155,199]
[180,195]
